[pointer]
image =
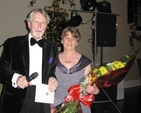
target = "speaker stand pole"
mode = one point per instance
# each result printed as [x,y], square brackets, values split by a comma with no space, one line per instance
[101,57]
[110,100]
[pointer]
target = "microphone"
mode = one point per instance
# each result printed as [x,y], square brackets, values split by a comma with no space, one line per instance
[32,76]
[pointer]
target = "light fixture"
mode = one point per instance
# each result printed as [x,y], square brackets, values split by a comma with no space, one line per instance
[88,5]
[74,21]
[104,6]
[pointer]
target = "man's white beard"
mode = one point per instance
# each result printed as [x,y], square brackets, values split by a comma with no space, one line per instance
[37,35]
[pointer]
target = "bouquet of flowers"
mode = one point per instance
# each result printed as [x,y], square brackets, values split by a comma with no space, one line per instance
[112,73]
[102,76]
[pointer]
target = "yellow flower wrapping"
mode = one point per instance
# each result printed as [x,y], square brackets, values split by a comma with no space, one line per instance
[98,72]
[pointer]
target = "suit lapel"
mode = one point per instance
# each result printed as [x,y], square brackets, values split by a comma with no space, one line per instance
[25,56]
[25,53]
[45,59]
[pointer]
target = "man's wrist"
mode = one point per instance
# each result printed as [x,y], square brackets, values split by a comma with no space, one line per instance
[14,79]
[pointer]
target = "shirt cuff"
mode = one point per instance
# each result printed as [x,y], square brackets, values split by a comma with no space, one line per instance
[14,80]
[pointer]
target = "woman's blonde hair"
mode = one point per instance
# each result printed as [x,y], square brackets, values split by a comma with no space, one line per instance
[73,30]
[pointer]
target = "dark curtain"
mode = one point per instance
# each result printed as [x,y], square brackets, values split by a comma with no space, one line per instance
[130,18]
[134,14]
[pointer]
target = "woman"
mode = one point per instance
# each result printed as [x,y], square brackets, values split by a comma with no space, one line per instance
[72,67]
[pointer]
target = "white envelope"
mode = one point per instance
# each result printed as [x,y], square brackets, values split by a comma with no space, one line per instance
[43,95]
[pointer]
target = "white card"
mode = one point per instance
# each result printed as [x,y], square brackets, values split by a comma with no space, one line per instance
[43,95]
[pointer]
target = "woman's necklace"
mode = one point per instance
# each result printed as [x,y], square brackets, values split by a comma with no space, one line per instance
[67,61]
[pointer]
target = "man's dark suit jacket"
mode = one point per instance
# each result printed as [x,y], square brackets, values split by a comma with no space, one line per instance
[15,59]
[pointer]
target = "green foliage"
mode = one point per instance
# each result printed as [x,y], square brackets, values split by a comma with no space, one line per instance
[70,107]
[71,2]
[133,37]
[54,30]
[32,2]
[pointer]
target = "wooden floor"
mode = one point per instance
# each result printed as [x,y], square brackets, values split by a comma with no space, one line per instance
[130,104]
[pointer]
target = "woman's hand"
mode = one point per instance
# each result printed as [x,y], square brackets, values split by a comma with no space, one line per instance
[92,89]
[52,110]
[52,84]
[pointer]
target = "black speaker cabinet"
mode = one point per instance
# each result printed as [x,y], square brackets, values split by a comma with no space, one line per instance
[105,30]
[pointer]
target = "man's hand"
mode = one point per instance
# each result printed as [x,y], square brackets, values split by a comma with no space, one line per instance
[52,84]
[22,82]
